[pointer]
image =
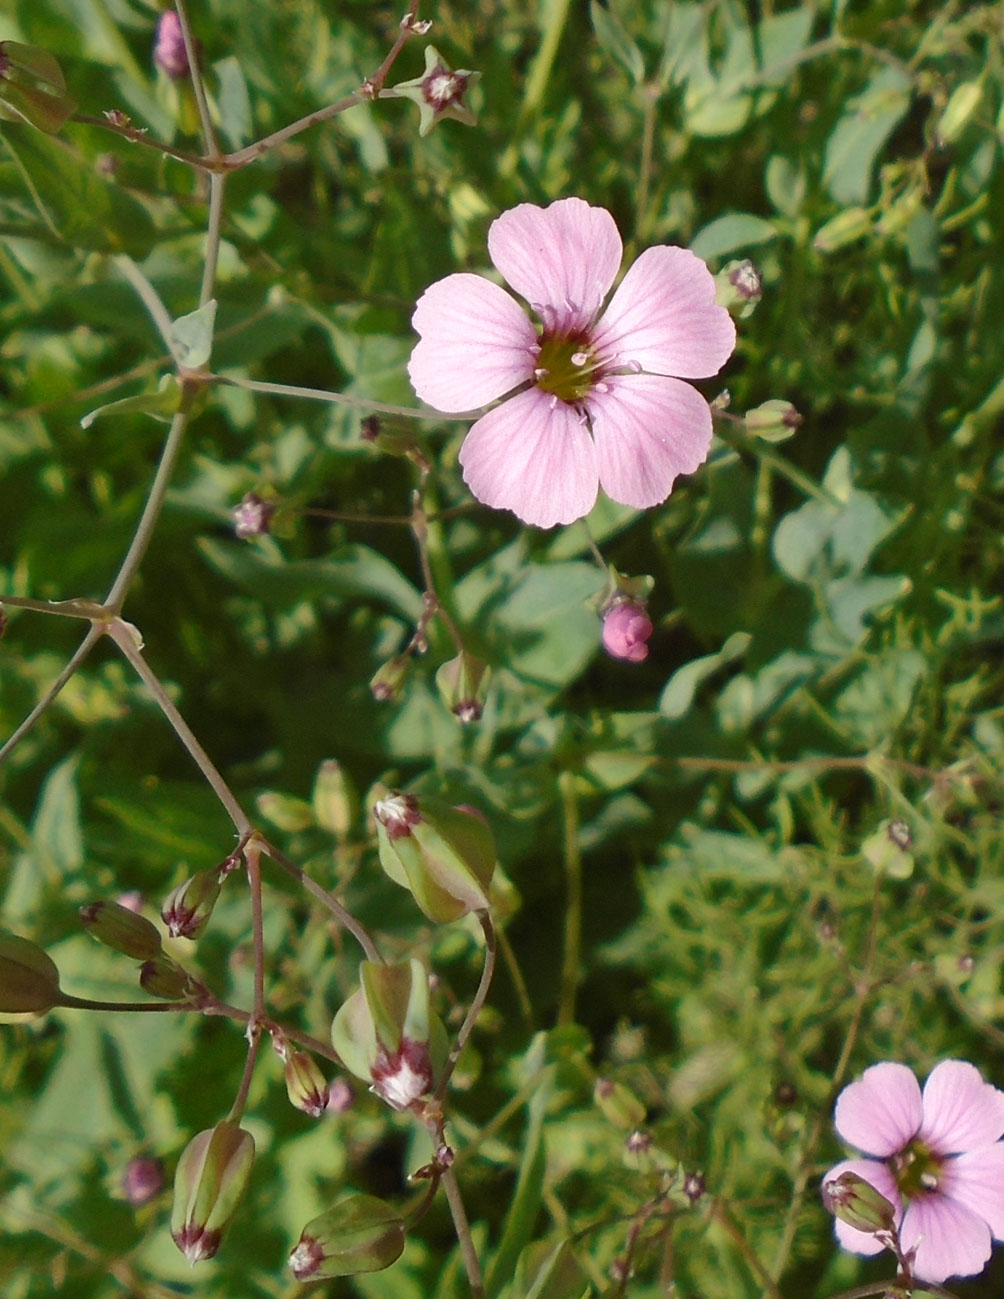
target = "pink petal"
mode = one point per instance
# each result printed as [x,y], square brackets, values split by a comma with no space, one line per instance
[647,429]
[534,458]
[663,318]
[976,1180]
[879,1176]
[961,1111]
[562,259]
[476,344]
[950,1240]
[882,1112]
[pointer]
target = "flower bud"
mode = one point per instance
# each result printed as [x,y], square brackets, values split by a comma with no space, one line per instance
[32,88]
[463,684]
[188,908]
[29,980]
[334,801]
[169,51]
[618,1105]
[774,421]
[162,978]
[143,1180]
[387,1034]
[888,850]
[738,288]
[626,629]
[121,929]
[444,855]
[388,680]
[959,111]
[854,1201]
[440,92]
[213,1173]
[306,1086]
[360,1234]
[253,515]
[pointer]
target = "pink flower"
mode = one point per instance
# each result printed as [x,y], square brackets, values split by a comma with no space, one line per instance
[626,629]
[935,1157]
[594,400]
[169,51]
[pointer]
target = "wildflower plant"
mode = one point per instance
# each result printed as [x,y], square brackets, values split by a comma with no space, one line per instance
[500,724]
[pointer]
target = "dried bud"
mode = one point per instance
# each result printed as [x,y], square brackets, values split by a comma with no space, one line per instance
[626,629]
[738,288]
[463,684]
[444,855]
[29,980]
[306,1086]
[253,516]
[387,1034]
[774,421]
[213,1173]
[360,1234]
[189,907]
[143,1180]
[440,92]
[162,978]
[120,928]
[854,1201]
[619,1105]
[32,88]
[694,1186]
[169,51]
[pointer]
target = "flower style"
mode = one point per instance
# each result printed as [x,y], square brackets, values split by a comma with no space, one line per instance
[935,1156]
[594,400]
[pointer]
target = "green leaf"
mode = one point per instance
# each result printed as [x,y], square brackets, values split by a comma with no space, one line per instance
[678,695]
[864,128]
[614,39]
[162,404]
[192,336]
[729,233]
[77,204]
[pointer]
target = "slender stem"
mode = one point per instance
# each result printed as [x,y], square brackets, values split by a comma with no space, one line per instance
[338,516]
[94,634]
[88,610]
[154,504]
[136,135]
[420,530]
[214,1007]
[337,398]
[122,634]
[341,914]
[594,548]
[241,158]
[217,187]
[651,101]
[518,982]
[254,1046]
[573,902]
[198,86]
[462,1227]
[149,296]
[252,859]
[476,1006]
[721,1214]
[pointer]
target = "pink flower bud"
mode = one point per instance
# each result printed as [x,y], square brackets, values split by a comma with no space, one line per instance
[169,51]
[626,629]
[143,1180]
[253,516]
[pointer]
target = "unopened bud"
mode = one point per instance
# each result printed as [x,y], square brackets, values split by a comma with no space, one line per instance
[387,1034]
[213,1173]
[360,1234]
[189,907]
[120,928]
[253,516]
[306,1086]
[738,288]
[444,855]
[162,978]
[463,684]
[32,88]
[169,51]
[626,629]
[888,850]
[855,1201]
[774,421]
[843,229]
[143,1180]
[388,681]
[29,980]
[694,1186]
[334,800]
[440,92]
[619,1105]
[959,111]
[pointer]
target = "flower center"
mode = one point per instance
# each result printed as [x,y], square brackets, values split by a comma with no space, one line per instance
[917,1169]
[567,368]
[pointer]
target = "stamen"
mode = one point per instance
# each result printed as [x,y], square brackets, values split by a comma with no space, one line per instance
[579,358]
